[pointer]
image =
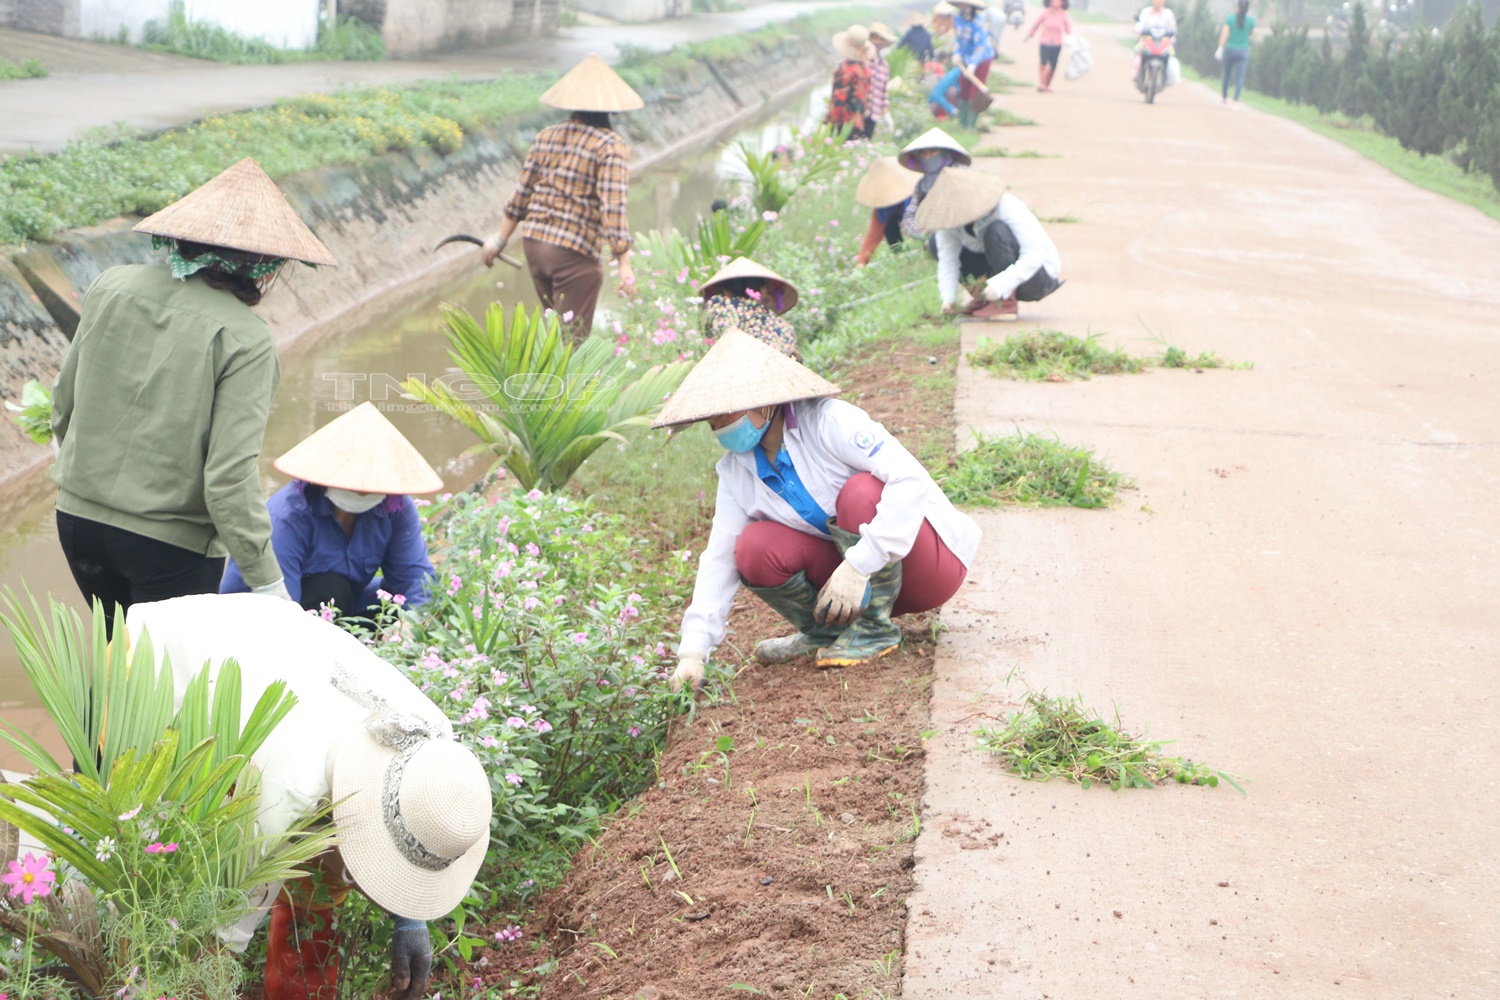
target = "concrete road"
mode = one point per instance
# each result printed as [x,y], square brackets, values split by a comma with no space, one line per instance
[95,85]
[1302,590]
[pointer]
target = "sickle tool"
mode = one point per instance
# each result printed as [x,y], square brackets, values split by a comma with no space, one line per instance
[466,238]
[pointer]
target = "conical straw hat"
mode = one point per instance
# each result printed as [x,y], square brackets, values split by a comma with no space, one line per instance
[592,86]
[886,183]
[879,30]
[361,451]
[959,197]
[933,138]
[976,4]
[854,43]
[741,373]
[241,209]
[744,267]
[944,9]
[915,18]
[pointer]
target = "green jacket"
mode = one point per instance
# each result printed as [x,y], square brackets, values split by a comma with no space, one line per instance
[159,412]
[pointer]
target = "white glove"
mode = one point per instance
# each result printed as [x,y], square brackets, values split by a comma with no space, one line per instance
[689,671]
[992,290]
[1219,54]
[492,248]
[277,589]
[843,597]
[889,121]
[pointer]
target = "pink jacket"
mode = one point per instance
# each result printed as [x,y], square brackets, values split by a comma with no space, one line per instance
[1053,24]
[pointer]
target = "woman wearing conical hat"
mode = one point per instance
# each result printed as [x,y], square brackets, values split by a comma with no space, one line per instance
[985,234]
[849,102]
[820,511]
[345,529]
[929,154]
[162,400]
[917,39]
[572,196]
[886,190]
[752,298]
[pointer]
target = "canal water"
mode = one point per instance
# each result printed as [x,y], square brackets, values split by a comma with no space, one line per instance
[326,376]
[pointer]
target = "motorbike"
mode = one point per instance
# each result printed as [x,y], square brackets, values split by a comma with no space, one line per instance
[1156,51]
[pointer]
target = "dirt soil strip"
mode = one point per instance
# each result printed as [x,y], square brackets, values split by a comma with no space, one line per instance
[791,847]
[1302,590]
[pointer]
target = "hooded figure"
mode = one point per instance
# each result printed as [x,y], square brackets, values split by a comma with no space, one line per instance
[820,512]
[572,196]
[345,528]
[161,404]
[984,233]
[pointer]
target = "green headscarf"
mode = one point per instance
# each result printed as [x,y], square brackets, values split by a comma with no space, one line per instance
[182,268]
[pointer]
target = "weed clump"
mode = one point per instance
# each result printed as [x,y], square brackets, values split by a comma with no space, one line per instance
[29,69]
[1031,470]
[1052,356]
[1058,738]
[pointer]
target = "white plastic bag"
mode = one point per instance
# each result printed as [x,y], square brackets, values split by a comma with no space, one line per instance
[1080,60]
[1174,71]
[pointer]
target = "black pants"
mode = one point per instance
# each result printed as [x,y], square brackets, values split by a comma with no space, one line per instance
[343,593]
[1001,250]
[120,568]
[893,234]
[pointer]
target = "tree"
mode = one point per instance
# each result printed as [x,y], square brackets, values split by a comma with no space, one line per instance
[1356,97]
[1473,72]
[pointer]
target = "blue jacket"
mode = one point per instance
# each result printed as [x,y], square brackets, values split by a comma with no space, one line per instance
[308,539]
[919,41]
[939,95]
[972,38]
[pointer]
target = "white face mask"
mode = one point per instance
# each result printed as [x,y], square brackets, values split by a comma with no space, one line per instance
[353,503]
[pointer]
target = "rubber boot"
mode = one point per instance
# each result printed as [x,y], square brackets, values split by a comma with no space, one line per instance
[965,115]
[794,601]
[873,634]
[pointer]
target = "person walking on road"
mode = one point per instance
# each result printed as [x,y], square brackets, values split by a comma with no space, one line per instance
[975,55]
[849,102]
[988,235]
[1055,25]
[572,196]
[820,511]
[1234,49]
[160,407]
[346,528]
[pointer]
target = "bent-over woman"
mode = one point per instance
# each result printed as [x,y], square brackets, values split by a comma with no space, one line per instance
[754,299]
[886,190]
[820,511]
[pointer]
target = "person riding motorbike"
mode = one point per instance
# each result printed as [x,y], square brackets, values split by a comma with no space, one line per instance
[1157,22]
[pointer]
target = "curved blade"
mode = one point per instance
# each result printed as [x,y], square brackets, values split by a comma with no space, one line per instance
[505,258]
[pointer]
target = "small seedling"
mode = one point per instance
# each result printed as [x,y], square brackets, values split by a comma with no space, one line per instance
[1057,738]
[670,860]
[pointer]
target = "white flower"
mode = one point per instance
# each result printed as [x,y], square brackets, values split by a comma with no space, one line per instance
[105,848]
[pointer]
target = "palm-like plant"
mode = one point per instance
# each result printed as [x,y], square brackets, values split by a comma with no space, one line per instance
[541,404]
[714,243]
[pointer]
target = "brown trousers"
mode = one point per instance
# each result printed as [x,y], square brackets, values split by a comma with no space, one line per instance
[567,282]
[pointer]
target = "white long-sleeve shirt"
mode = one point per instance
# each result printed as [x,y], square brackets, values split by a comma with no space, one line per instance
[828,441]
[1037,251]
[273,639]
[1148,19]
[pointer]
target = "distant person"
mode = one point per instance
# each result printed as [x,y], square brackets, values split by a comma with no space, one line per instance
[886,190]
[752,298]
[1054,24]
[345,528]
[849,102]
[572,196]
[928,154]
[881,38]
[160,407]
[987,235]
[975,54]
[942,100]
[917,40]
[1156,18]
[1234,49]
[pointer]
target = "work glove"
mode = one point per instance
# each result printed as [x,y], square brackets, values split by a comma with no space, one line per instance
[889,121]
[277,589]
[1219,54]
[843,597]
[492,248]
[411,959]
[689,671]
[993,290]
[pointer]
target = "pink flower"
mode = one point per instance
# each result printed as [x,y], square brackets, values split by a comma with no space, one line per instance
[557,601]
[628,612]
[29,878]
[504,569]
[534,495]
[682,276]
[634,730]
[326,612]
[514,779]
[126,817]
[543,726]
[833,223]
[516,722]
[568,316]
[529,603]
[579,638]
[454,584]
[490,742]
[769,216]
[431,661]
[532,550]
[398,599]
[160,848]
[511,933]
[382,595]
[753,294]
[499,677]
[588,529]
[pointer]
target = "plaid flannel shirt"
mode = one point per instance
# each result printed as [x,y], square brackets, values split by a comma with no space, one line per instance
[880,81]
[573,189]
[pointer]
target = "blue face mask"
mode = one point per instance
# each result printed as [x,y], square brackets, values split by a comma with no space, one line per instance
[741,436]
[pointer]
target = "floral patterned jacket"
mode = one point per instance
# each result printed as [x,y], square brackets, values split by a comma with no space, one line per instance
[851,95]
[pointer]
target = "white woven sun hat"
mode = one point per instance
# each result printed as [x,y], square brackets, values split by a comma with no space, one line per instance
[886,183]
[413,818]
[741,373]
[592,86]
[241,209]
[744,267]
[361,451]
[933,138]
[959,197]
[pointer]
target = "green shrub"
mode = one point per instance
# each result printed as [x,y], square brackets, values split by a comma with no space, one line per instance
[27,70]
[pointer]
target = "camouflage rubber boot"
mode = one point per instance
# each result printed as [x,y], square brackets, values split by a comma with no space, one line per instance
[794,601]
[873,634]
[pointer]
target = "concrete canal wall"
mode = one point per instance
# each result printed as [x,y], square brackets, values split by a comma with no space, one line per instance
[381,219]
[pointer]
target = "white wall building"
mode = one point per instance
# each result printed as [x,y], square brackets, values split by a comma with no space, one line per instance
[288,24]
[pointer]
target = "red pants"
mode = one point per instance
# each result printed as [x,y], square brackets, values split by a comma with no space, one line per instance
[768,554]
[966,88]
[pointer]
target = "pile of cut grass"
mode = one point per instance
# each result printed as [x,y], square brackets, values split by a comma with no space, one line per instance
[1030,470]
[1057,738]
[30,69]
[1053,356]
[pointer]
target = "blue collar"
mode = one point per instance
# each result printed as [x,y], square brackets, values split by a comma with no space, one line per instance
[782,479]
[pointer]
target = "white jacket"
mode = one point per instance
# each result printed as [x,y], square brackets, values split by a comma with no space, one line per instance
[1037,251]
[1149,19]
[828,441]
[273,639]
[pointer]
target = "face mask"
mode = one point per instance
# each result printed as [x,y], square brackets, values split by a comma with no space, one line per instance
[354,503]
[932,164]
[741,436]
